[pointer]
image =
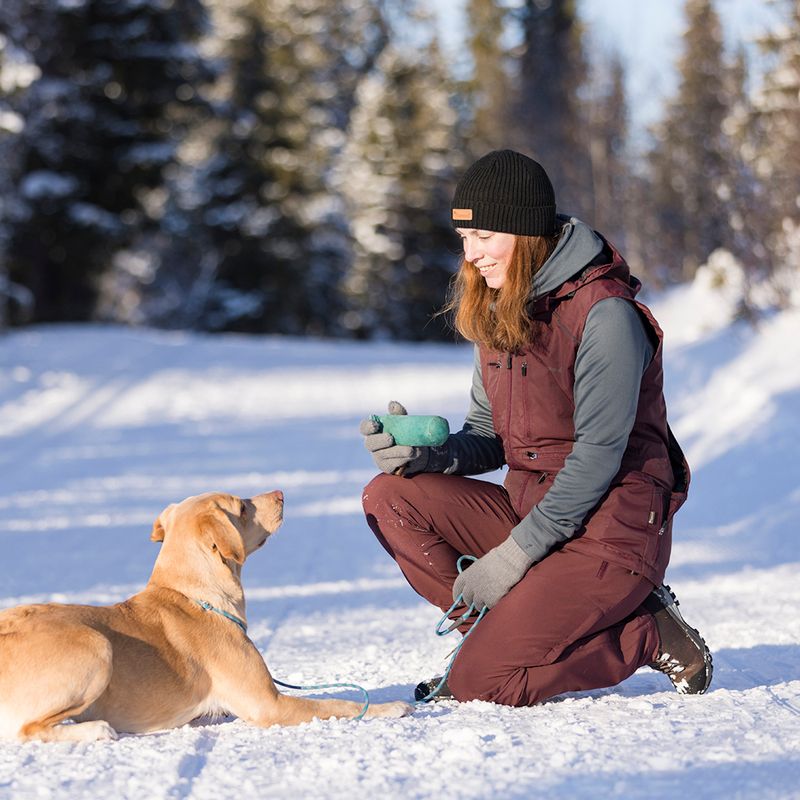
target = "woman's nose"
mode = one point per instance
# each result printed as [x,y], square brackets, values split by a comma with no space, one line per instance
[471,251]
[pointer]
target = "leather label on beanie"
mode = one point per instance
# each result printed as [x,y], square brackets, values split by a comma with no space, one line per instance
[462,213]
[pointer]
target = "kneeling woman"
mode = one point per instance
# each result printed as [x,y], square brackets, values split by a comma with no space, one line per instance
[567,393]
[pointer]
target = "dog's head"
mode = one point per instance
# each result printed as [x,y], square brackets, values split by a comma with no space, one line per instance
[228,526]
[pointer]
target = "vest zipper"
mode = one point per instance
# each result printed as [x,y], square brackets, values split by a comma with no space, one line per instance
[665,518]
[524,368]
[509,364]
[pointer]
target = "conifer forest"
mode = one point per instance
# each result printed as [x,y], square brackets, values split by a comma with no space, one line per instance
[286,166]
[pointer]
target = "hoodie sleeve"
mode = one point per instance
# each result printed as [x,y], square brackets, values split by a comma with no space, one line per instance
[476,448]
[613,354]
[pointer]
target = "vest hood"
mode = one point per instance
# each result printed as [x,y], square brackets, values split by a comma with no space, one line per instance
[578,246]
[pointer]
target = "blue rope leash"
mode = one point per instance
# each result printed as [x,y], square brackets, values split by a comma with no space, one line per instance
[208,607]
[450,628]
[332,686]
[439,632]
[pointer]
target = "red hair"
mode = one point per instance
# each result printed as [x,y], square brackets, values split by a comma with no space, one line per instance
[498,318]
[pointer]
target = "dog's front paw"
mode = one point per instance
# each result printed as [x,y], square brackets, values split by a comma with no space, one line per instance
[95,731]
[103,732]
[391,710]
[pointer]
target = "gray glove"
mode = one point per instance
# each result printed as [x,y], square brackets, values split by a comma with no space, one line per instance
[389,457]
[489,578]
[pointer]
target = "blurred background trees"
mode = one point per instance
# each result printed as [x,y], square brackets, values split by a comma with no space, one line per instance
[98,98]
[286,166]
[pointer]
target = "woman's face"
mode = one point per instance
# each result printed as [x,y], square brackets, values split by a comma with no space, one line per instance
[489,252]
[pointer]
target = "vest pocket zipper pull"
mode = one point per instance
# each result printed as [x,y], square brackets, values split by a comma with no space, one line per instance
[524,368]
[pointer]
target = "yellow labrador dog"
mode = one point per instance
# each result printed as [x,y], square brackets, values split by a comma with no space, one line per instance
[175,651]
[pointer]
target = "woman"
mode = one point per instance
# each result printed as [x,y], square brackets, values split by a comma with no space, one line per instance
[567,393]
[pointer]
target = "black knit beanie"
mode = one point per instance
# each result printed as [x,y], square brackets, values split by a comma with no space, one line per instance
[508,192]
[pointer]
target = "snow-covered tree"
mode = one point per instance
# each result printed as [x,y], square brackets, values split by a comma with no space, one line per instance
[396,178]
[488,88]
[17,72]
[608,150]
[690,159]
[745,196]
[114,88]
[266,243]
[775,153]
[550,120]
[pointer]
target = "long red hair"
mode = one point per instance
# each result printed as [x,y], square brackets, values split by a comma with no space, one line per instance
[498,318]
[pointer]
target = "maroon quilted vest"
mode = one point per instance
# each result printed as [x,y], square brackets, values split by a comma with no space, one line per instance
[531,394]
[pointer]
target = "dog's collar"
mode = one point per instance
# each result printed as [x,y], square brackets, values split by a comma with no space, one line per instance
[208,607]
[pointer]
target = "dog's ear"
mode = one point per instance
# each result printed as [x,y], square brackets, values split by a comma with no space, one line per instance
[224,535]
[158,532]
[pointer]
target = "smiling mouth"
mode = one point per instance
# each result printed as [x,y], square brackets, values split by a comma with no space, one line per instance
[484,270]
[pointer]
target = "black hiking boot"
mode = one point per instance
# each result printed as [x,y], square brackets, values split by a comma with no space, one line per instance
[682,655]
[426,687]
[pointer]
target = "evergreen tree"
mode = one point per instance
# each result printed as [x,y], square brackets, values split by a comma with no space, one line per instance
[267,234]
[488,89]
[691,157]
[746,196]
[103,123]
[549,120]
[776,153]
[396,178]
[608,151]
[17,72]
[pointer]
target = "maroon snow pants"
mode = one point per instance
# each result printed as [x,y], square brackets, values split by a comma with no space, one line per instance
[572,623]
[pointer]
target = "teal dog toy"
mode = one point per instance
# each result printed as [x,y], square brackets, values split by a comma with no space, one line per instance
[414,430]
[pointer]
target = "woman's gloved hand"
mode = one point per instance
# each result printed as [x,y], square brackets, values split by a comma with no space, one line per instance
[389,457]
[487,580]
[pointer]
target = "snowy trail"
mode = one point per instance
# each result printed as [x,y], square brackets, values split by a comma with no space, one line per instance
[100,428]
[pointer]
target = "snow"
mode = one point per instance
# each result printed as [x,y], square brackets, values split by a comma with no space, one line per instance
[101,427]
[44,184]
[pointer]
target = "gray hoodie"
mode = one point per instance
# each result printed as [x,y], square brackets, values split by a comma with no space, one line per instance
[613,354]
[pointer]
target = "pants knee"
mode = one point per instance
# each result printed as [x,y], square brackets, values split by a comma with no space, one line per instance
[382,500]
[377,491]
[389,499]
[476,675]
[505,690]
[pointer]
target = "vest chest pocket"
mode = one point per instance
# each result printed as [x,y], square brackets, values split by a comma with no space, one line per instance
[498,390]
